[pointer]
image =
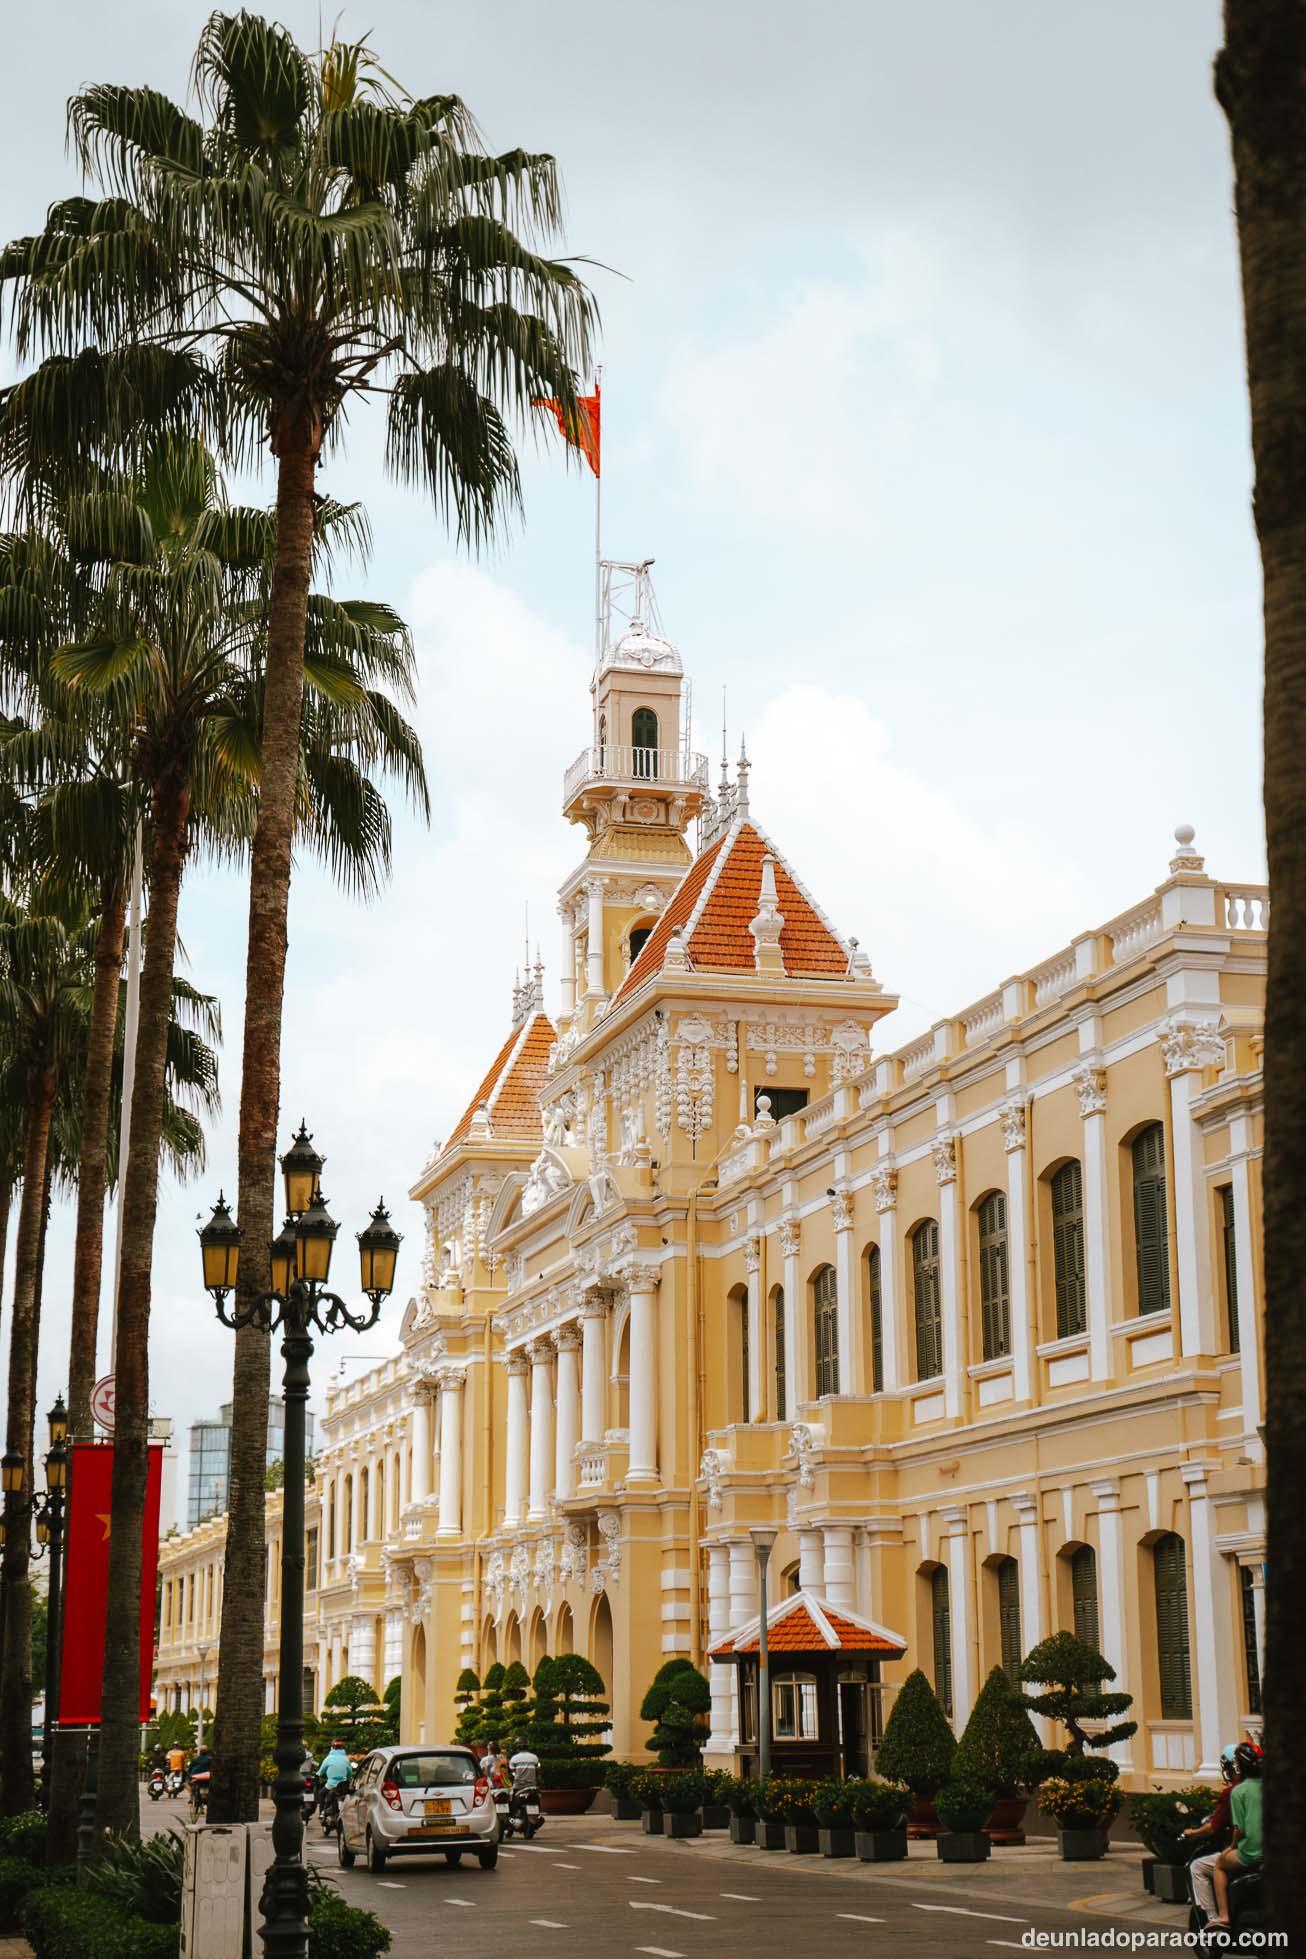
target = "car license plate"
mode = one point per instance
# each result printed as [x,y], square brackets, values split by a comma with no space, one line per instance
[441,1807]
[446,1828]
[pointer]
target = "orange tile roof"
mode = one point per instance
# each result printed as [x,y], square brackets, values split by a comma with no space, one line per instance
[714,904]
[511,1087]
[808,1624]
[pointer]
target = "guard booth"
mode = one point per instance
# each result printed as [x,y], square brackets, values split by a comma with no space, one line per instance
[827,1700]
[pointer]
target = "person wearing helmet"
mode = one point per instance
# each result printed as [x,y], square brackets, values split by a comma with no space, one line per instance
[1215,1830]
[1245,1852]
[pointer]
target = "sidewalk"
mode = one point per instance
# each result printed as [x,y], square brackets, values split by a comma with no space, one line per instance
[15,1948]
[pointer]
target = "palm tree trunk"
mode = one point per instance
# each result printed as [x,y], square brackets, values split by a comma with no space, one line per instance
[234,1789]
[6,1203]
[118,1805]
[16,1783]
[88,1251]
[1261,85]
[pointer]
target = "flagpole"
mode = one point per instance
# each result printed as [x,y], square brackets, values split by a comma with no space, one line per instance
[598,523]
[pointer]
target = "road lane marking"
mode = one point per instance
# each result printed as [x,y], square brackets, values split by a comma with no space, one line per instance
[466,1903]
[747,1898]
[662,1951]
[550,1924]
[859,1917]
[608,1849]
[1012,1945]
[644,1880]
[387,1884]
[567,1867]
[960,1911]
[672,1911]
[535,1849]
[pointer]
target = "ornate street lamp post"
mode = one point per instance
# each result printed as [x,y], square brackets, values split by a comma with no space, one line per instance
[763,1540]
[48,1511]
[297,1301]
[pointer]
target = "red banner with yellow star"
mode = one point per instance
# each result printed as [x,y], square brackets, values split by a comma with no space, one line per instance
[86,1581]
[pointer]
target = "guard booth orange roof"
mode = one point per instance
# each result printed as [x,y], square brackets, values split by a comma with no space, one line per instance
[806,1623]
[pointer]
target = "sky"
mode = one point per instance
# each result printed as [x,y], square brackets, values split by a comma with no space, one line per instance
[923,385]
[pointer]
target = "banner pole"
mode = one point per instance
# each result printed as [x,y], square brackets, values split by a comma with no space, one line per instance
[598,521]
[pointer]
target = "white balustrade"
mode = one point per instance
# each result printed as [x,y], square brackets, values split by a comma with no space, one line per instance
[618,762]
[1053,978]
[981,1020]
[1247,909]
[1134,931]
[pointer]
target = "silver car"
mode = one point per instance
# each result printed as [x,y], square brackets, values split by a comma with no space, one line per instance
[404,1801]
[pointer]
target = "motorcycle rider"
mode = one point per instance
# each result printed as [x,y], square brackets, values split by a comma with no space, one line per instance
[1246,1850]
[197,1775]
[333,1777]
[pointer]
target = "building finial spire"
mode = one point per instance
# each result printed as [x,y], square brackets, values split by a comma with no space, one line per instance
[741,781]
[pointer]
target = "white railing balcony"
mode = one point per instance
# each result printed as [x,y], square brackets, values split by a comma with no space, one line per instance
[673,768]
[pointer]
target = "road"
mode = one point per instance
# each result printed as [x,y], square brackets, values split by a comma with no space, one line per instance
[589,1888]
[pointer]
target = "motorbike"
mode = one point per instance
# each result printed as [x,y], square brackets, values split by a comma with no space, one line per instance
[1246,1915]
[328,1809]
[310,1796]
[525,1818]
[176,1782]
[158,1784]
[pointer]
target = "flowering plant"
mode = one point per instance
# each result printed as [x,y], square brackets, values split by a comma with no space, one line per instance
[1080,1805]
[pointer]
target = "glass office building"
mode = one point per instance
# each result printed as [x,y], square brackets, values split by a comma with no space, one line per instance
[210,1458]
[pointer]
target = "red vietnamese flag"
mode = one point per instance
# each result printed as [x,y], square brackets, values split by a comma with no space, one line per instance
[86,1581]
[582,430]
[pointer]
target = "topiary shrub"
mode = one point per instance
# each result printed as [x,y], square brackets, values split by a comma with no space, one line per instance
[999,1746]
[679,1702]
[569,1718]
[64,1922]
[963,1805]
[464,1699]
[917,1746]
[516,1693]
[1071,1674]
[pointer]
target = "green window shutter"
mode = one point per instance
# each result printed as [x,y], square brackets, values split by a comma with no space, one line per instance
[779,1354]
[877,1320]
[1151,1225]
[1068,1249]
[825,1307]
[745,1358]
[925,1282]
[995,1287]
[1251,1651]
[1173,1662]
[1083,1595]
[1009,1616]
[1230,1248]
[941,1613]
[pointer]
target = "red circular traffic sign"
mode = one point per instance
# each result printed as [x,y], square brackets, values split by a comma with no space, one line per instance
[102,1401]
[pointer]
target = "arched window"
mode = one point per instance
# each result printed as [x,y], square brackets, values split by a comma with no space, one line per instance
[925,1290]
[825,1307]
[1067,1191]
[644,741]
[603,740]
[739,1307]
[995,1285]
[1151,1237]
[779,1353]
[1169,1572]
[1009,1616]
[638,940]
[877,1319]
[941,1615]
[1083,1595]
[1229,1249]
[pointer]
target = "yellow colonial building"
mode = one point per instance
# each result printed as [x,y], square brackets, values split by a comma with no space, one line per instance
[974,1323]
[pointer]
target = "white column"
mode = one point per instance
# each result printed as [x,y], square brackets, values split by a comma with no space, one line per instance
[1026,1507]
[1090,1086]
[567,969]
[862,1567]
[797,1385]
[743,1583]
[567,1342]
[541,1428]
[1249,1336]
[451,1451]
[1215,1669]
[961,1612]
[593,1370]
[514,1468]
[811,1561]
[1189,1046]
[355,1507]
[840,1584]
[362,1648]
[594,969]
[721,1673]
[1018,1224]
[848,1319]
[884,1182]
[1111,1595]
[756,1331]
[376,1497]
[643,1281]
[394,1646]
[421,1473]
[945,1169]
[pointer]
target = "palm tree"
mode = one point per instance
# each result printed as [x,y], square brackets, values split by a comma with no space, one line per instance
[1260,80]
[320,236]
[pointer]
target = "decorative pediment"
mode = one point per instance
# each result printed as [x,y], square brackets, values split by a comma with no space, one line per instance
[548,1178]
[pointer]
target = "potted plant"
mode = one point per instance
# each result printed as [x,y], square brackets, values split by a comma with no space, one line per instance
[1083,1811]
[741,1800]
[1000,1749]
[646,1788]
[917,1748]
[716,1811]
[1160,1819]
[802,1836]
[564,1725]
[832,1801]
[681,1797]
[618,1778]
[880,1821]
[679,1702]
[964,1808]
[769,1829]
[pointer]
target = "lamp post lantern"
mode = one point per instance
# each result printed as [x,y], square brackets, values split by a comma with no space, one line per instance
[763,1540]
[298,1301]
[48,1513]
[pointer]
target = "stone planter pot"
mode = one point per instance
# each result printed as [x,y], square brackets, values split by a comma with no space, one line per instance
[566,1802]
[652,1822]
[1170,1884]
[743,1829]
[1149,1871]
[880,1846]
[1004,1826]
[626,1809]
[923,1821]
[804,1839]
[1082,1846]
[963,1846]
[769,1835]
[837,1842]
[685,1823]
[715,1816]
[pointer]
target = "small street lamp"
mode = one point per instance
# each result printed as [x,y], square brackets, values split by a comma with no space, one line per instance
[48,1512]
[300,1259]
[763,1540]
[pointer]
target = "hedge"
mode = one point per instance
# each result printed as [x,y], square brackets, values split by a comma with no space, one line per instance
[340,1931]
[23,1836]
[64,1923]
[17,1878]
